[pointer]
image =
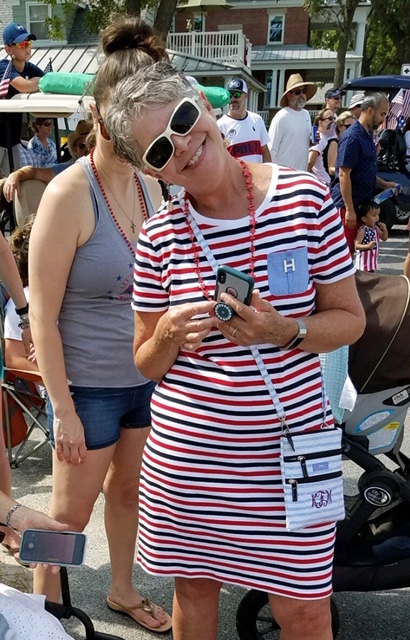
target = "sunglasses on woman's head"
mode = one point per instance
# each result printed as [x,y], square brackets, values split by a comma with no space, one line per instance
[297,92]
[47,124]
[21,45]
[235,94]
[182,121]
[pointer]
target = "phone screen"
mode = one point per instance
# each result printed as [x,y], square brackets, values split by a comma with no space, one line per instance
[52,547]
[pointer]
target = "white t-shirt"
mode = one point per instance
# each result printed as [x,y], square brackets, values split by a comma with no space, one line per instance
[318,169]
[246,136]
[289,134]
[12,330]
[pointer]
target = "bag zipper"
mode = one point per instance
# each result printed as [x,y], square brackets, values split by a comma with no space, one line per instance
[294,482]
[311,456]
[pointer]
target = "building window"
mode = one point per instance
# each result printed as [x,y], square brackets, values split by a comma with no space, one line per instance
[276,25]
[199,22]
[36,17]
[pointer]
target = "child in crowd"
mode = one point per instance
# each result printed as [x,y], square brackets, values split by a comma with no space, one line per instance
[368,237]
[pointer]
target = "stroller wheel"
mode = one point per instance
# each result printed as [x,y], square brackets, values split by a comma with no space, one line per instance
[254,619]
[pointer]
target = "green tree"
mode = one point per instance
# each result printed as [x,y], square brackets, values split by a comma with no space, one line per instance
[387,39]
[339,14]
[100,12]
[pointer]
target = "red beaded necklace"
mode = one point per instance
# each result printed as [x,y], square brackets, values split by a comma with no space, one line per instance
[107,202]
[252,224]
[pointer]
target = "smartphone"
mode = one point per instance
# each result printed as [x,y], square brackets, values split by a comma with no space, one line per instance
[239,285]
[313,134]
[66,548]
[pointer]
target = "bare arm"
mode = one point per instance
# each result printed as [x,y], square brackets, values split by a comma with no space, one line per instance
[15,356]
[58,230]
[266,157]
[331,157]
[313,156]
[339,320]
[383,230]
[159,336]
[10,277]
[24,517]
[346,191]
[12,183]
[25,86]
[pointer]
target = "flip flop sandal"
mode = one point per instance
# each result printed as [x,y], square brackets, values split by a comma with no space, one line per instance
[145,605]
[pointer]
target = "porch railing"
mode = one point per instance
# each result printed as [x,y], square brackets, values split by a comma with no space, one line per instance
[222,46]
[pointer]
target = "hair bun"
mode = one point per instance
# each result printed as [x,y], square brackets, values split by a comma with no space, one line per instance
[127,32]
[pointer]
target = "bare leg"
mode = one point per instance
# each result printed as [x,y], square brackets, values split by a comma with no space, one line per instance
[302,619]
[195,611]
[75,490]
[11,538]
[407,263]
[121,522]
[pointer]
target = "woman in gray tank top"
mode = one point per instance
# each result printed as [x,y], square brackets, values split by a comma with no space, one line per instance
[82,253]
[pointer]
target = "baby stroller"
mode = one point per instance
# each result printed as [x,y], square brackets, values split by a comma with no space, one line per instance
[373,542]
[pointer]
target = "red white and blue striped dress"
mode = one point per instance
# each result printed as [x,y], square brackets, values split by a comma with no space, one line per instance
[367,260]
[211,501]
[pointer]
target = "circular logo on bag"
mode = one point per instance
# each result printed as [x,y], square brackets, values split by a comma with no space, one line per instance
[377,496]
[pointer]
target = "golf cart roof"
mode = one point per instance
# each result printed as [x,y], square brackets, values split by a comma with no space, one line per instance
[46,104]
[377,83]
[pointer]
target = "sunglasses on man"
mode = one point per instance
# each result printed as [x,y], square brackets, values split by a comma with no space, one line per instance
[297,92]
[183,119]
[21,45]
[235,94]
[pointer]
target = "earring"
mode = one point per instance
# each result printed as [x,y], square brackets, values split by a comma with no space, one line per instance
[13,57]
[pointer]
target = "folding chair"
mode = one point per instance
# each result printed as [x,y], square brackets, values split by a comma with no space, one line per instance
[23,409]
[23,412]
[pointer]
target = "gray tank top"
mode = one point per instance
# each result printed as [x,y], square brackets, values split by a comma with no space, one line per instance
[96,321]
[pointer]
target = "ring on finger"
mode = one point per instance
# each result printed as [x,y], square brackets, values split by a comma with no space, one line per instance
[234,330]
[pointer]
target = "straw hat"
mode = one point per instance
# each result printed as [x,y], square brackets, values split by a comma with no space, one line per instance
[82,129]
[295,81]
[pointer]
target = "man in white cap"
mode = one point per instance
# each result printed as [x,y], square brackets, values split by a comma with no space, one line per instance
[355,106]
[244,131]
[290,128]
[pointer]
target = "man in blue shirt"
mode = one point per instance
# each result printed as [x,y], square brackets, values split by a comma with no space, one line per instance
[356,166]
[24,78]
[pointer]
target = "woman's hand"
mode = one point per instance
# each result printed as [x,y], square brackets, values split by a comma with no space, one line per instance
[11,185]
[181,324]
[258,325]
[69,439]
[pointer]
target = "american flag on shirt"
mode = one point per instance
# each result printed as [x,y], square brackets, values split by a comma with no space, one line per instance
[399,109]
[367,259]
[5,81]
[49,67]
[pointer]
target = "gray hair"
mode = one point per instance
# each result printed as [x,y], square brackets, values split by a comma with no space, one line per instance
[150,87]
[374,100]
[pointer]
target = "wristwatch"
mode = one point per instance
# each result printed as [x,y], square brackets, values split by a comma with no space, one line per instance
[298,338]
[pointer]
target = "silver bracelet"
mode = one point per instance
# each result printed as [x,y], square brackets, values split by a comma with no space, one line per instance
[10,513]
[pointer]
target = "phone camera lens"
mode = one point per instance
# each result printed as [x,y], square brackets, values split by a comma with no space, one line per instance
[222,277]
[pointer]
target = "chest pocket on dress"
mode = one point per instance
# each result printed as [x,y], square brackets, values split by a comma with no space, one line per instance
[288,271]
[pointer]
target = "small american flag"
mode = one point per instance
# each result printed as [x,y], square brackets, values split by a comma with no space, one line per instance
[399,109]
[49,67]
[5,81]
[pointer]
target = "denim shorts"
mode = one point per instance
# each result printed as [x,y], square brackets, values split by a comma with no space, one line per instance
[103,411]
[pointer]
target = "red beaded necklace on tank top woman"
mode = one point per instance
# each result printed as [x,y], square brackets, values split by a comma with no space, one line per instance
[252,224]
[107,202]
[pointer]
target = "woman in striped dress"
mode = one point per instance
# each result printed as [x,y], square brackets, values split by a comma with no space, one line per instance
[211,498]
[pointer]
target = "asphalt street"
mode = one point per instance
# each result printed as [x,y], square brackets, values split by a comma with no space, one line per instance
[379,616]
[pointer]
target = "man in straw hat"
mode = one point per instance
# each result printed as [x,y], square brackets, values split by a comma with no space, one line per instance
[290,128]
